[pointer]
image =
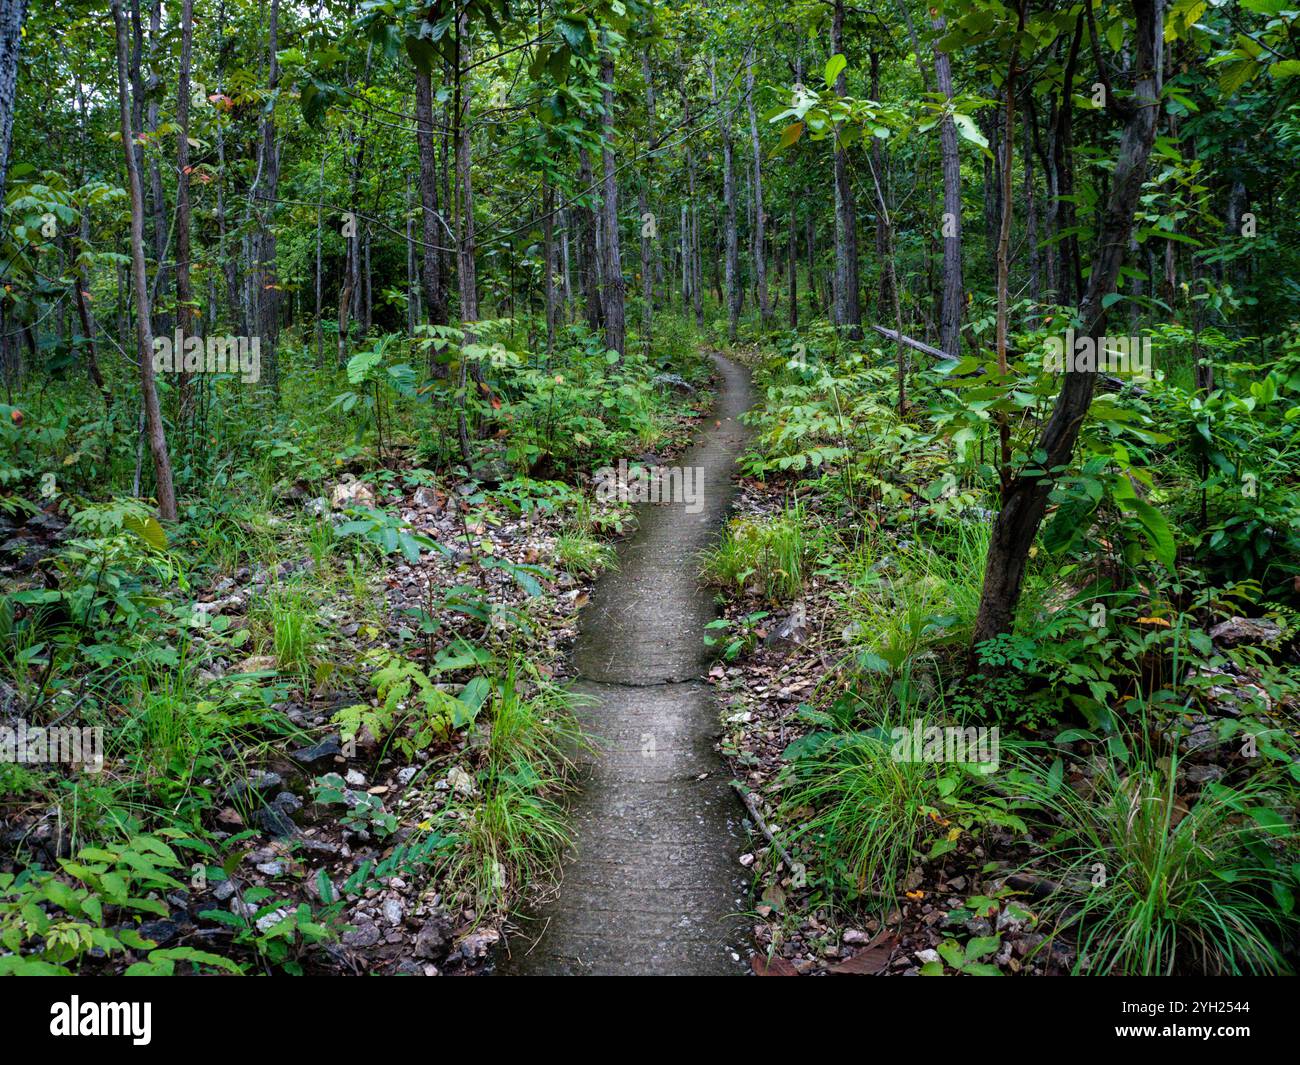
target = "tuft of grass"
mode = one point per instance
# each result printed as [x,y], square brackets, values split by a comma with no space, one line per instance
[579,552]
[289,614]
[770,554]
[515,834]
[869,811]
[1148,886]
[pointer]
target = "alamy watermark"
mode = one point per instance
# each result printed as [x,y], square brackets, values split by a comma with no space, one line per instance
[223,354]
[933,743]
[40,745]
[1125,356]
[651,484]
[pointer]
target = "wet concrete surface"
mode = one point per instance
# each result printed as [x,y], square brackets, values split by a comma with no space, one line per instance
[654,884]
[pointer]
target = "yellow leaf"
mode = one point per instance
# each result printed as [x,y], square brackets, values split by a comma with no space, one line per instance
[791,134]
[1154,621]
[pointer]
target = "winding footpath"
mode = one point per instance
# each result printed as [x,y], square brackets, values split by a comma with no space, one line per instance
[653,887]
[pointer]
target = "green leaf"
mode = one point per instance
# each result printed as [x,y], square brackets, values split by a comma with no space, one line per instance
[148,529]
[982,946]
[951,951]
[834,67]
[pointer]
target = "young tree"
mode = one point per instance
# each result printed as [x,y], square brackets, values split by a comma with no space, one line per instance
[166,492]
[1025,497]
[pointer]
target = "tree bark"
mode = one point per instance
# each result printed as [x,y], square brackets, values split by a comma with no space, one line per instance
[12,14]
[434,278]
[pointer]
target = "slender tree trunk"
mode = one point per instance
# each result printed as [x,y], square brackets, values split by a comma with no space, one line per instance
[320,222]
[1071,272]
[157,197]
[732,252]
[466,267]
[646,210]
[1004,245]
[793,268]
[1031,211]
[566,220]
[435,279]
[848,313]
[12,15]
[267,287]
[615,286]
[548,259]
[587,244]
[184,290]
[952,284]
[760,264]
[1026,497]
[144,334]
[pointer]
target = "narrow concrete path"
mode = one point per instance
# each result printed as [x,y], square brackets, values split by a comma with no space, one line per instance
[654,885]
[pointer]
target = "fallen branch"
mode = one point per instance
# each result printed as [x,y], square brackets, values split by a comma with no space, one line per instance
[1108,382]
[751,804]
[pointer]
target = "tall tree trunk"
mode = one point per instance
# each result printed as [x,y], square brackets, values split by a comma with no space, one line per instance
[587,244]
[144,330]
[1026,497]
[1071,271]
[266,306]
[615,286]
[697,265]
[646,210]
[466,269]
[12,15]
[1004,244]
[320,223]
[848,313]
[566,217]
[760,264]
[184,290]
[435,279]
[732,252]
[1031,209]
[548,259]
[157,197]
[793,268]
[885,298]
[952,284]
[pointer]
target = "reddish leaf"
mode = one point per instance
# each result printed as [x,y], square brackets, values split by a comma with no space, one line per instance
[778,966]
[871,959]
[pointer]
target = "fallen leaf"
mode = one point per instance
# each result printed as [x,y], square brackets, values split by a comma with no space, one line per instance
[778,966]
[871,959]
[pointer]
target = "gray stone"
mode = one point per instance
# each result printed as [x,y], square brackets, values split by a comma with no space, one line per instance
[1237,630]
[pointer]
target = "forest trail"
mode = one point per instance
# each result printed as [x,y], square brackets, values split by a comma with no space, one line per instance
[654,882]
